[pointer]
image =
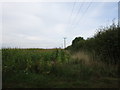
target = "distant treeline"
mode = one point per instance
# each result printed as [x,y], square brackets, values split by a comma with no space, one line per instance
[104,44]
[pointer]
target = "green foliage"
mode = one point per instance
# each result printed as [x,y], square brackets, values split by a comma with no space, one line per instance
[76,43]
[31,68]
[18,60]
[104,44]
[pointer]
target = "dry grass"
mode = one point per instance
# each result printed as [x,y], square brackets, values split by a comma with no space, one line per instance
[82,57]
[99,67]
[87,59]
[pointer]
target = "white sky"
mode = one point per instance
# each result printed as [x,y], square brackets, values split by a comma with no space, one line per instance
[43,25]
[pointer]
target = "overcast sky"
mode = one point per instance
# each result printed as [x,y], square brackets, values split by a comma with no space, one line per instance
[43,25]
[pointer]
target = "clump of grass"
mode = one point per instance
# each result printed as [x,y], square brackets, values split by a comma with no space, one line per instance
[80,57]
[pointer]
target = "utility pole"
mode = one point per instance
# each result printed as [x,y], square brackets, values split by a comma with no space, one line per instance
[64,42]
[119,13]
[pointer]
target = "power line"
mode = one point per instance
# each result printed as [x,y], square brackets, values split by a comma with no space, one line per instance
[84,13]
[78,11]
[72,12]
[86,10]
[77,15]
[69,20]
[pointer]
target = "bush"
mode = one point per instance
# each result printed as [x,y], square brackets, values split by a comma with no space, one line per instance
[104,44]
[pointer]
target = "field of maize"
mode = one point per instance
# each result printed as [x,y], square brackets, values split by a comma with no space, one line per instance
[55,68]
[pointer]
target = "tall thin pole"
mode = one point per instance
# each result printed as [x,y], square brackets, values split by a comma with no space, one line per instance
[119,13]
[64,42]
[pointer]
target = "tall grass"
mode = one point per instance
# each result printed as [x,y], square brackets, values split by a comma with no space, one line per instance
[97,67]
